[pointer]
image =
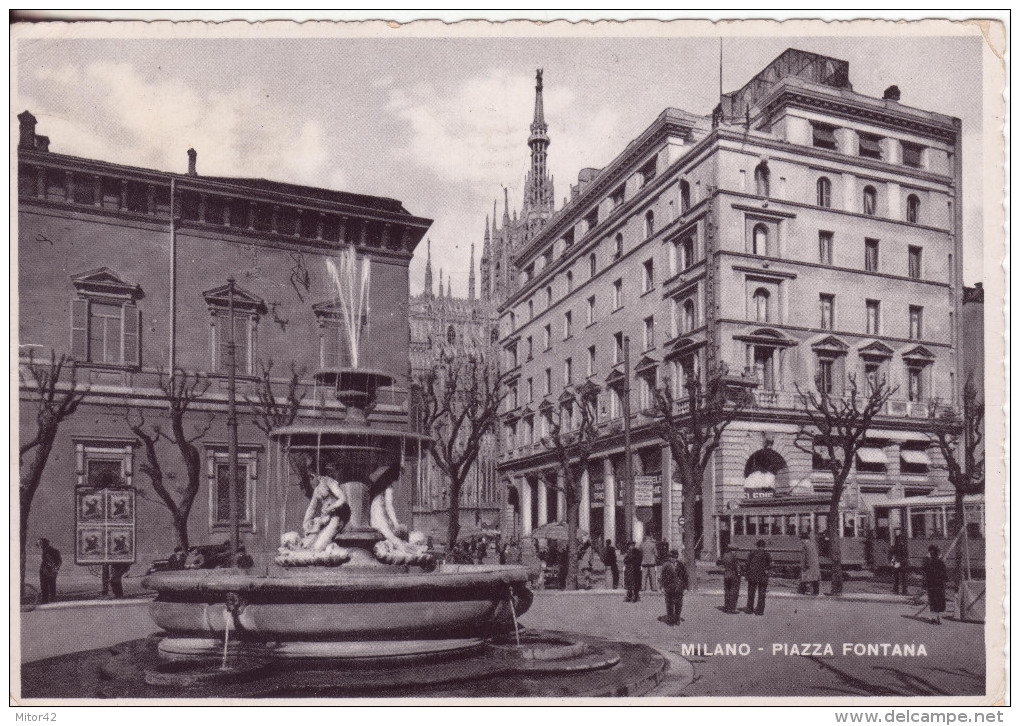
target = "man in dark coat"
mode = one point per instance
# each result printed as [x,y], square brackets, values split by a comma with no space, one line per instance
[810,566]
[48,569]
[758,564]
[731,579]
[609,560]
[899,560]
[673,582]
[632,572]
[935,583]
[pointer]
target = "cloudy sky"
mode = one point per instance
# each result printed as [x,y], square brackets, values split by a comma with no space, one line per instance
[440,124]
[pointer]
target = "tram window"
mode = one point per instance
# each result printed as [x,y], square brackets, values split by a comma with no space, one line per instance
[849,525]
[776,524]
[821,523]
[738,525]
[918,525]
[805,523]
[882,524]
[752,525]
[791,524]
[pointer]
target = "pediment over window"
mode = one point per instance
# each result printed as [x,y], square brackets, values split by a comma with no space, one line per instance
[920,354]
[545,407]
[107,283]
[831,345]
[244,301]
[683,346]
[766,336]
[616,378]
[876,349]
[567,396]
[646,364]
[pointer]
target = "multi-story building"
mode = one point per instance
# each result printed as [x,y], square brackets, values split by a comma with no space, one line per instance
[442,324]
[108,276]
[800,234]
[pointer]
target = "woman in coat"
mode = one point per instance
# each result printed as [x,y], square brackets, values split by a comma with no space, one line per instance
[935,583]
[810,570]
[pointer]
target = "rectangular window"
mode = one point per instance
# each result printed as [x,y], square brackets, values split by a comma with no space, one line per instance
[531,309]
[617,197]
[568,371]
[870,146]
[823,136]
[618,294]
[914,262]
[531,390]
[912,154]
[568,320]
[531,348]
[871,255]
[547,336]
[219,475]
[548,381]
[649,332]
[570,281]
[242,339]
[825,248]
[334,349]
[874,316]
[915,384]
[648,171]
[592,220]
[104,332]
[827,305]
[618,348]
[649,275]
[915,322]
[591,360]
[591,310]
[592,266]
[825,375]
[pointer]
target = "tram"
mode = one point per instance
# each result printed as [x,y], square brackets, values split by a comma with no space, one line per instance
[868,531]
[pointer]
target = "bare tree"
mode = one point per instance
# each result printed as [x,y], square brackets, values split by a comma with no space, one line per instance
[693,426]
[459,404]
[838,425]
[573,448]
[55,402]
[180,390]
[270,411]
[958,434]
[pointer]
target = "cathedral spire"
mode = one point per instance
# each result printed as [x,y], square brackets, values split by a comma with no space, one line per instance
[440,282]
[428,270]
[538,188]
[471,274]
[506,206]
[449,286]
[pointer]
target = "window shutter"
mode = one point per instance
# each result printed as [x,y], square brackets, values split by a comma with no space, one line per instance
[131,324]
[80,330]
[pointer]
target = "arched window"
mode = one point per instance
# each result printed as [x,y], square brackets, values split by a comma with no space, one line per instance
[686,253]
[760,240]
[570,281]
[761,305]
[451,335]
[913,209]
[761,179]
[824,192]
[591,265]
[649,223]
[870,200]
[548,296]
[619,245]
[513,322]
[690,318]
[685,197]
[531,309]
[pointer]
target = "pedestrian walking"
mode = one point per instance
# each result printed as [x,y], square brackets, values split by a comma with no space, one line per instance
[810,568]
[899,555]
[674,582]
[731,579]
[758,564]
[649,561]
[609,560]
[632,572]
[934,570]
[48,569]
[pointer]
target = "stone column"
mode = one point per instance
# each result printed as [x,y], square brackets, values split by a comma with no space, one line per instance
[524,489]
[894,208]
[670,530]
[584,518]
[609,503]
[543,501]
[850,201]
[561,498]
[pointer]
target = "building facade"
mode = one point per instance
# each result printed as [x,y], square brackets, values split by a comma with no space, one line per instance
[108,276]
[799,234]
[442,324]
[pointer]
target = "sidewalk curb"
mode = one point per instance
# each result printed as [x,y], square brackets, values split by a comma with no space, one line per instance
[853,596]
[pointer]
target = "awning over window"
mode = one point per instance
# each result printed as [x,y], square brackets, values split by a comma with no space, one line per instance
[915,457]
[870,145]
[824,136]
[871,455]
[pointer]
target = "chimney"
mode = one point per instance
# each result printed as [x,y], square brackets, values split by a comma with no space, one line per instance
[27,138]
[192,158]
[42,143]
[892,93]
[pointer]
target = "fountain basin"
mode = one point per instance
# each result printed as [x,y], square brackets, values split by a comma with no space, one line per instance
[343,612]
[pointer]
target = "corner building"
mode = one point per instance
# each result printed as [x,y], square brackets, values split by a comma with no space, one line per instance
[108,276]
[800,233]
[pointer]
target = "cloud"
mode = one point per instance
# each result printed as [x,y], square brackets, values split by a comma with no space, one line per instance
[110,111]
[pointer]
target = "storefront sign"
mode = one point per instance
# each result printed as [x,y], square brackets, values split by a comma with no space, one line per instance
[105,526]
[644,487]
[598,491]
